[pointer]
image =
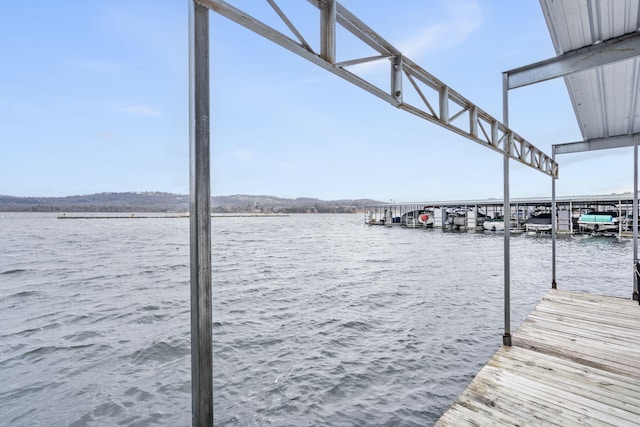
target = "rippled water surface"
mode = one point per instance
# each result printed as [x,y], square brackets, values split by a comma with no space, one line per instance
[318,319]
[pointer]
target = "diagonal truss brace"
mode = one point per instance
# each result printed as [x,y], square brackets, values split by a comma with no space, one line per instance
[479,126]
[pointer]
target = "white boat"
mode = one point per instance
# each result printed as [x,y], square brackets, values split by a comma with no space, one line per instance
[599,222]
[456,219]
[426,218]
[497,224]
[419,218]
[493,224]
[538,223]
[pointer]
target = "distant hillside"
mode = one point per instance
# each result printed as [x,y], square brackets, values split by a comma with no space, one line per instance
[102,202]
[247,203]
[168,202]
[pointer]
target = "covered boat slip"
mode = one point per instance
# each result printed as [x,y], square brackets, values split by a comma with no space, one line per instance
[573,361]
[572,213]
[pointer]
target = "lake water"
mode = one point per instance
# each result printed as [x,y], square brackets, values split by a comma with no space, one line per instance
[318,319]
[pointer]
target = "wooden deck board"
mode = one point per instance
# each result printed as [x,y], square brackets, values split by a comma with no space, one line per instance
[601,314]
[590,326]
[530,412]
[574,361]
[577,348]
[581,332]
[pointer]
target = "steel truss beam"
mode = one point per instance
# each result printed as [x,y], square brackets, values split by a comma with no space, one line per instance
[609,51]
[465,118]
[617,141]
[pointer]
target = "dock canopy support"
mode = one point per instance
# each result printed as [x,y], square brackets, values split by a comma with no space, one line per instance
[200,217]
[506,218]
[554,225]
[616,141]
[479,126]
[636,270]
[606,52]
[475,125]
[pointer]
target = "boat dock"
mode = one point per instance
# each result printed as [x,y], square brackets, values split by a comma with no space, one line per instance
[526,214]
[573,361]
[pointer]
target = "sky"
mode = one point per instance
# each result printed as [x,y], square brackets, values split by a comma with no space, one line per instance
[94,98]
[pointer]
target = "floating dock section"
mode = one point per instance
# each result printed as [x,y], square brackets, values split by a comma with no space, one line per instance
[574,361]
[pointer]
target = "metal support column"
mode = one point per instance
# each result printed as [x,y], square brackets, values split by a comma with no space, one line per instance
[571,218]
[554,224]
[620,219]
[636,297]
[200,217]
[328,31]
[506,338]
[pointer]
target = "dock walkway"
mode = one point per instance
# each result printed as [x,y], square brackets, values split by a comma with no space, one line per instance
[574,361]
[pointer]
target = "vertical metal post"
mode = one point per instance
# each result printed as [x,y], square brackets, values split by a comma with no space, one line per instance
[636,297]
[473,121]
[444,104]
[396,78]
[619,219]
[443,212]
[554,224]
[571,218]
[506,338]
[200,217]
[328,31]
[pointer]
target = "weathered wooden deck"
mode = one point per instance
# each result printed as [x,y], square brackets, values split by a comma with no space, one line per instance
[574,361]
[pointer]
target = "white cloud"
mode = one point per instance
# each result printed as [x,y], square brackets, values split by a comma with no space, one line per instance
[464,18]
[140,110]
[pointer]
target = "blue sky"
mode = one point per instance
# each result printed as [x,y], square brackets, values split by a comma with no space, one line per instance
[94,98]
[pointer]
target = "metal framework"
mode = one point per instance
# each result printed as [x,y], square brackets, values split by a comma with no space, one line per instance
[618,141]
[601,144]
[506,337]
[440,104]
[595,56]
[606,52]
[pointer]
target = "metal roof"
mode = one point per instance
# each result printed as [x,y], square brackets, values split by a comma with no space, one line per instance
[613,199]
[597,44]
[605,98]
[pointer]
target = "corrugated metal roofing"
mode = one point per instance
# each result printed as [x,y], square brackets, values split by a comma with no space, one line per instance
[605,98]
